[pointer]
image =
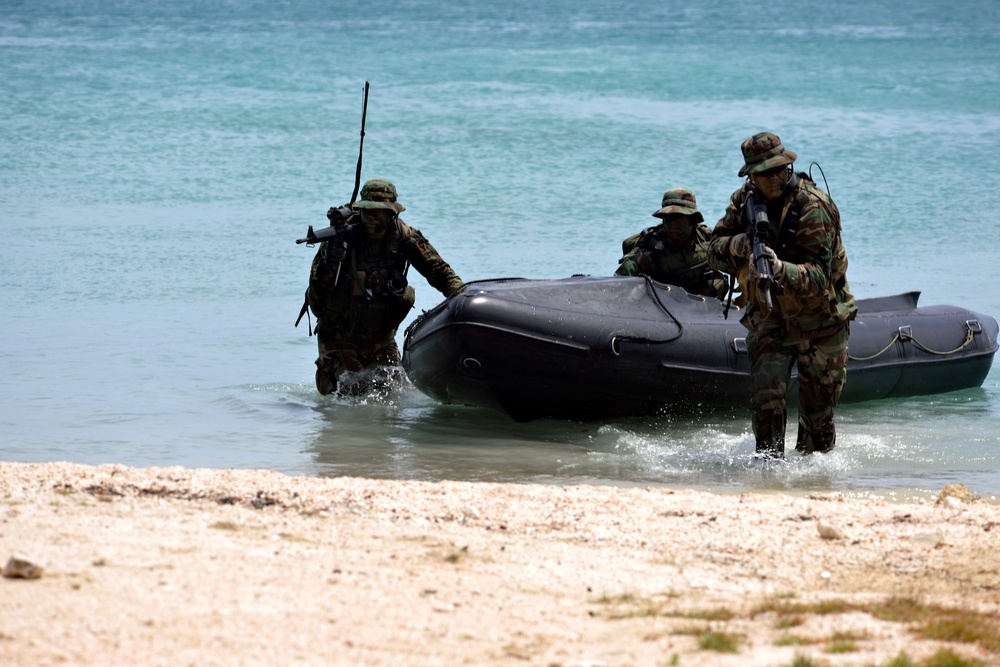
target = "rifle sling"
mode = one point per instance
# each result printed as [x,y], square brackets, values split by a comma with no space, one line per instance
[305,311]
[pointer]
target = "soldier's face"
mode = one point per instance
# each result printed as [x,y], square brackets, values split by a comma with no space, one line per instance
[771,182]
[678,229]
[376,221]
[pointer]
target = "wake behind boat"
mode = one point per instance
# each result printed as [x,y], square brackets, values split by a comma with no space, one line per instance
[586,348]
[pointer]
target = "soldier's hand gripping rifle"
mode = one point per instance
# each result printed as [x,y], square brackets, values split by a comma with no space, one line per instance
[339,217]
[757,228]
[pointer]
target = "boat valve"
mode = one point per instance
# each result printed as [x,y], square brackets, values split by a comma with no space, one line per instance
[615,346]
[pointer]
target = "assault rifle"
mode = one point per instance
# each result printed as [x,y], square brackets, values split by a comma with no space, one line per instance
[757,228]
[340,217]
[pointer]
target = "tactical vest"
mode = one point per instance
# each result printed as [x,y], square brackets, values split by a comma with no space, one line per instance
[358,286]
[804,314]
[685,267]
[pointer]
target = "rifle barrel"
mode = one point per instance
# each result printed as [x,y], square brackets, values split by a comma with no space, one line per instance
[361,148]
[314,237]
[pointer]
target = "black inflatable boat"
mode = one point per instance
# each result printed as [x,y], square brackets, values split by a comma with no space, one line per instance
[586,348]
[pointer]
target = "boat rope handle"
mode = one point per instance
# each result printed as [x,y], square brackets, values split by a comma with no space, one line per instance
[663,307]
[617,339]
[882,351]
[970,335]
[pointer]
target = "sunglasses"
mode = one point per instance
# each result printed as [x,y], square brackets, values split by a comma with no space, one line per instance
[772,172]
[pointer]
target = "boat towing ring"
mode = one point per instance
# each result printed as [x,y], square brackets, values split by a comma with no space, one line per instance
[470,362]
[615,347]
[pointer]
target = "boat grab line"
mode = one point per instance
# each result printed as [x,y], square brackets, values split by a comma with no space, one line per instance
[905,333]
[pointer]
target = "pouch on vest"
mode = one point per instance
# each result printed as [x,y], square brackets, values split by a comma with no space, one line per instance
[378,318]
[357,287]
[749,286]
[397,307]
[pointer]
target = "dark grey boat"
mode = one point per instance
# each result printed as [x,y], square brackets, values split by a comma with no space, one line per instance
[586,348]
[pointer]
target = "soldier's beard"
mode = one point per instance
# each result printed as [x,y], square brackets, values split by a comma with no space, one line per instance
[375,231]
[678,235]
[772,188]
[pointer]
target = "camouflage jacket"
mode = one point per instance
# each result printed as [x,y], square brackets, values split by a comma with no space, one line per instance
[359,285]
[649,253]
[812,294]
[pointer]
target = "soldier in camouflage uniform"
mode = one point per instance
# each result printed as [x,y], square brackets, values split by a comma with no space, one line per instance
[675,252]
[358,288]
[812,302]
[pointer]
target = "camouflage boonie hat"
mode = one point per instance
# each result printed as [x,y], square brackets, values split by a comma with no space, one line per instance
[763,151]
[679,200]
[378,193]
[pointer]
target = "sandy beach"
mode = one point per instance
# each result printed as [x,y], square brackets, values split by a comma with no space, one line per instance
[171,566]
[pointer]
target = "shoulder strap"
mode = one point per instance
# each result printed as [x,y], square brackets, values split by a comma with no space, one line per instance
[305,311]
[400,260]
[790,224]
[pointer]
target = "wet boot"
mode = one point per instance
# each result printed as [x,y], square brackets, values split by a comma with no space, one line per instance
[808,443]
[325,384]
[769,429]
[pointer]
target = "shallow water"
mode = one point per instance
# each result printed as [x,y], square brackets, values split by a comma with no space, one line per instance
[159,162]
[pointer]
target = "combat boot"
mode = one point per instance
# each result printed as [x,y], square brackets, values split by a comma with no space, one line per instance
[808,442]
[769,429]
[325,382]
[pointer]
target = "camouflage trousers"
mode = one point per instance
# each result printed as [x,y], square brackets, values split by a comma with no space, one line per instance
[339,354]
[822,372]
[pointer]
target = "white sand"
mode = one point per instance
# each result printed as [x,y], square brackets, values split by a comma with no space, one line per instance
[170,566]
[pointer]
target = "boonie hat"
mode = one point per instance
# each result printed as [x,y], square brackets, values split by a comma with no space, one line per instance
[679,200]
[763,151]
[378,193]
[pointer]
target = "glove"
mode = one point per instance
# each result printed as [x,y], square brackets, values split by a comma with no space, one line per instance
[777,266]
[739,246]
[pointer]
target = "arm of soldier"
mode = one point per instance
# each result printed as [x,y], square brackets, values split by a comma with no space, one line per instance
[725,251]
[428,262]
[815,239]
[627,267]
[633,264]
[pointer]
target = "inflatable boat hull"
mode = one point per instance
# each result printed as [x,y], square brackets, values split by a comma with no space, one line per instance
[586,348]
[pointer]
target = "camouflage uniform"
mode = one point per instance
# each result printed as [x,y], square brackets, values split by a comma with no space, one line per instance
[812,302]
[651,252]
[359,292]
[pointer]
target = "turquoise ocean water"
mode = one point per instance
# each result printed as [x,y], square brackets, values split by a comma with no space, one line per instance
[157,161]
